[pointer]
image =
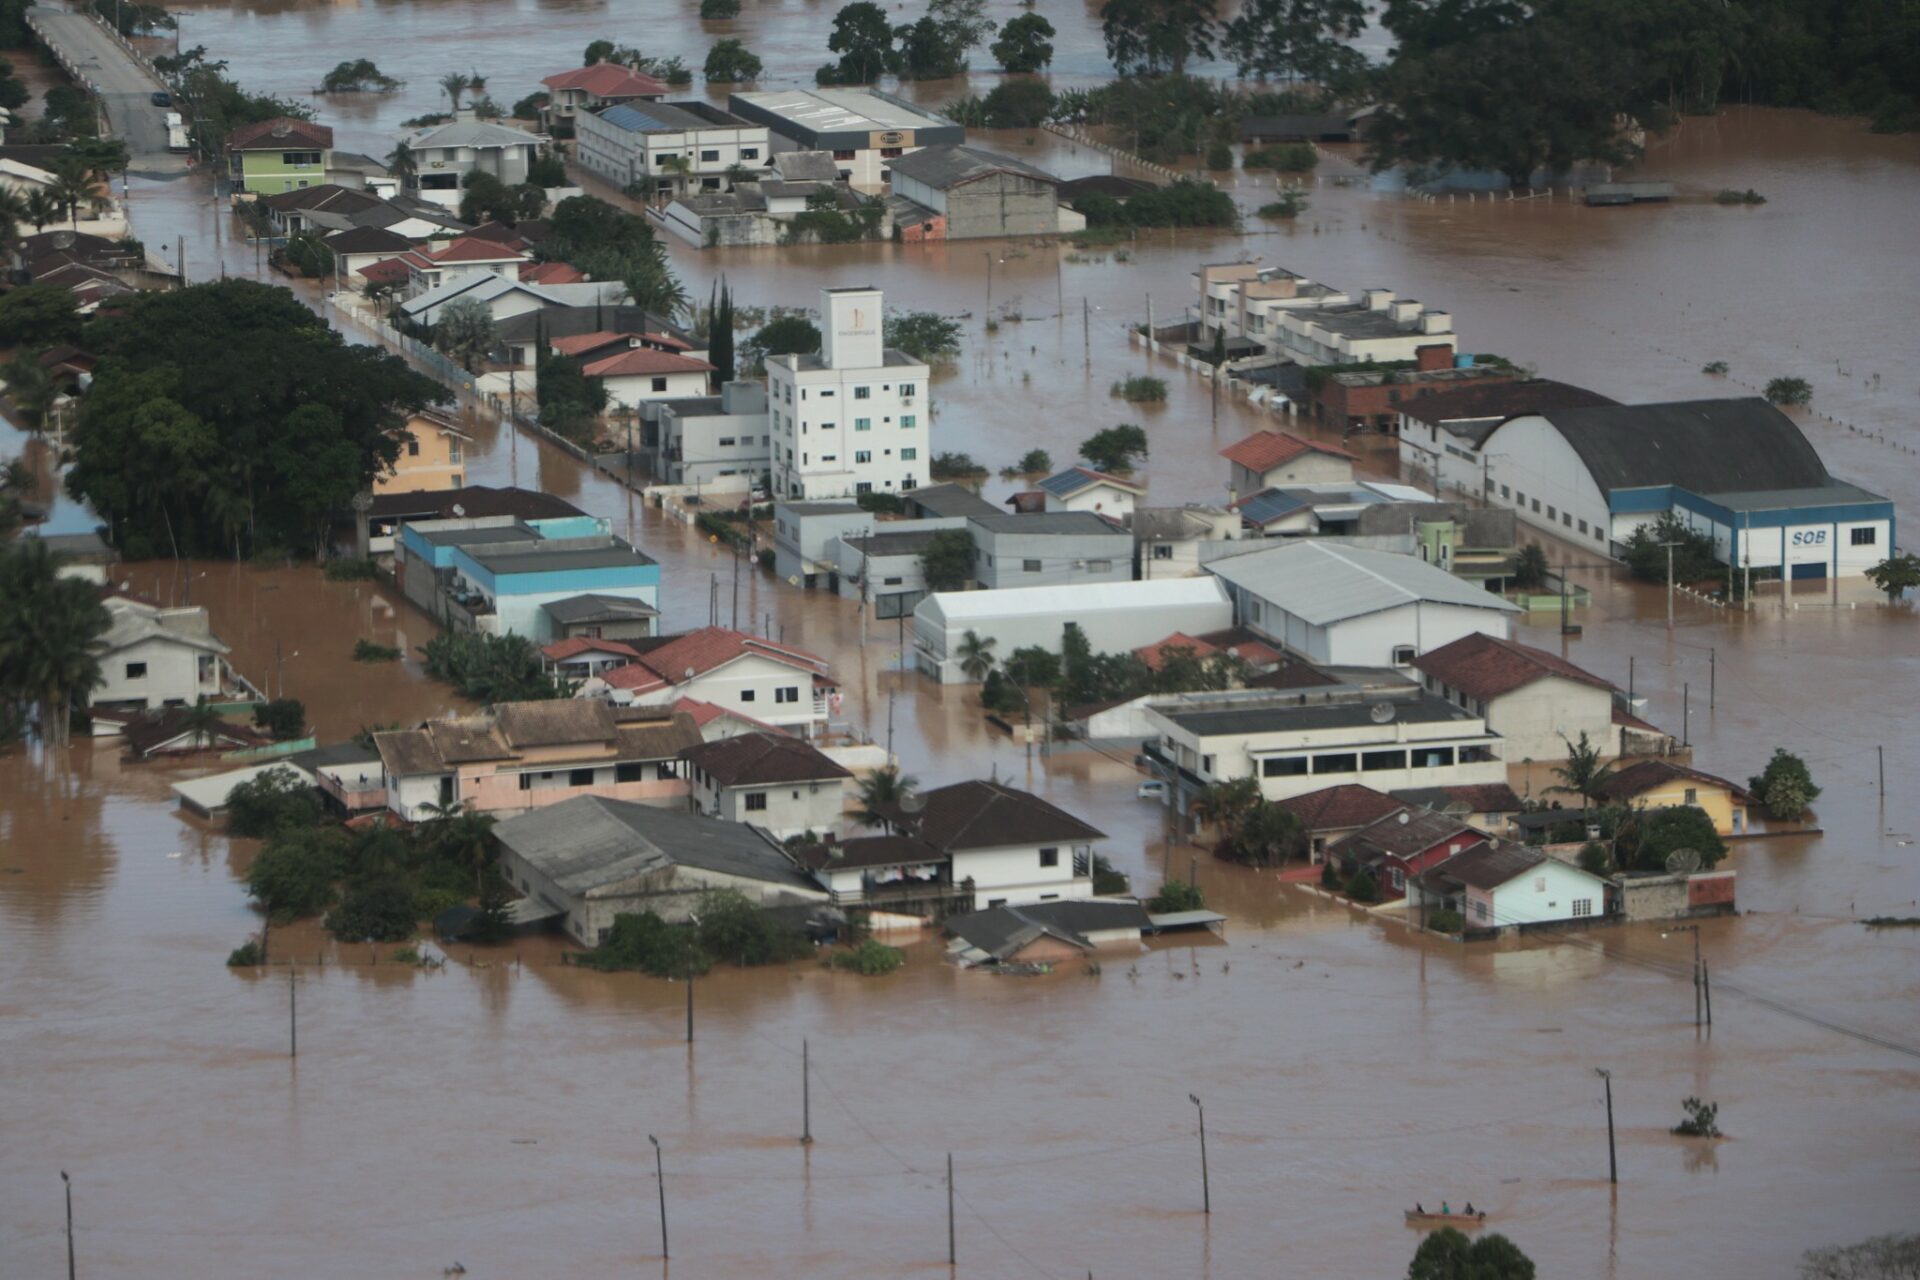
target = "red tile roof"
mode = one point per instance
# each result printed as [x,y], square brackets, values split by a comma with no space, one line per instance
[1343,808]
[702,651]
[666,341]
[705,713]
[1244,644]
[1264,450]
[550,273]
[1484,666]
[753,759]
[1155,654]
[560,650]
[386,271]
[575,344]
[282,131]
[474,249]
[641,361]
[608,80]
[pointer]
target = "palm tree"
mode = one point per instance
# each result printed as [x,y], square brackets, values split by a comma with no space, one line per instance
[50,637]
[31,388]
[71,187]
[453,84]
[976,655]
[40,208]
[1582,775]
[653,288]
[467,837]
[678,166]
[202,718]
[13,211]
[883,793]
[402,163]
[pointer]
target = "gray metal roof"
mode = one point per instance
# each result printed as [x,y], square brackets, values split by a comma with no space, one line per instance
[1279,713]
[1837,494]
[1323,584]
[588,843]
[950,166]
[1001,932]
[544,559]
[593,607]
[1708,446]
[950,500]
[882,545]
[670,117]
[481,134]
[1049,524]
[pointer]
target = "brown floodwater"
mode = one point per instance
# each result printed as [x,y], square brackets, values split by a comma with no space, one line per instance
[496,1113]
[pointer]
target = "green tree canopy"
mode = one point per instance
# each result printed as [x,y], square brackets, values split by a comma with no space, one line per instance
[948,560]
[227,415]
[1116,448]
[1447,1254]
[1785,786]
[863,37]
[1299,40]
[1025,44]
[731,62]
[1894,575]
[50,639]
[1147,37]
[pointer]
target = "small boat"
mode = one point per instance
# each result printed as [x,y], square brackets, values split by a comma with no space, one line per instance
[1465,1221]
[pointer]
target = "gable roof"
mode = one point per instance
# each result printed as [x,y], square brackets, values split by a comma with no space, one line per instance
[1155,654]
[1638,779]
[1469,797]
[1321,583]
[386,271]
[608,80]
[555,722]
[1492,864]
[1341,808]
[698,652]
[593,607]
[1001,932]
[1264,450]
[279,132]
[870,851]
[1485,666]
[641,361]
[1707,446]
[705,713]
[1405,833]
[589,843]
[574,344]
[561,650]
[479,134]
[367,240]
[1049,524]
[949,499]
[475,249]
[148,733]
[992,815]
[755,759]
[134,622]
[951,165]
[474,500]
[1074,480]
[551,273]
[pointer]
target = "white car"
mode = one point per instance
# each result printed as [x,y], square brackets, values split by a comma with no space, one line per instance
[1152,789]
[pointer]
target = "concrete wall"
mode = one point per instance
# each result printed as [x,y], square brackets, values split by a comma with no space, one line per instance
[1536,473]
[791,807]
[1000,204]
[1372,640]
[1002,559]
[1540,719]
[173,675]
[1015,875]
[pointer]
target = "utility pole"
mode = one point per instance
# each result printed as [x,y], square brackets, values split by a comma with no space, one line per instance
[689,1000]
[293,1013]
[1686,714]
[660,1177]
[1613,1163]
[953,1258]
[1699,982]
[1206,1192]
[67,1182]
[806,1098]
[1713,676]
[1880,753]
[1149,343]
[890,693]
[989,257]
[1706,990]
[1669,546]
[1086,332]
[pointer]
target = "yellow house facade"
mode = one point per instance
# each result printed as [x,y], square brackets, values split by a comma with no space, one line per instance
[433,453]
[1661,784]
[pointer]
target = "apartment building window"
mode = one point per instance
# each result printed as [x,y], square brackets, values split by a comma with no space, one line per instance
[892,153]
[746,695]
[413,447]
[1583,528]
[829,457]
[863,393]
[1163,551]
[664,771]
[906,391]
[863,455]
[1865,537]
[1536,506]
[1551,513]
[1693,795]
[749,153]
[864,486]
[526,782]
[579,777]
[1479,911]
[1049,857]
[1336,762]
[908,455]
[908,422]
[863,424]
[1403,655]
[300,159]
[1566,518]
[1283,767]
[629,773]
[843,155]
[453,451]
[1433,757]
[709,155]
[136,671]
[826,393]
[1505,492]
[1374,761]
[756,802]
[1030,566]
[659,384]
[787,693]
[891,582]
[725,442]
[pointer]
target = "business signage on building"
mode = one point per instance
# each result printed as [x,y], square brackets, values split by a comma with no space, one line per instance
[890,138]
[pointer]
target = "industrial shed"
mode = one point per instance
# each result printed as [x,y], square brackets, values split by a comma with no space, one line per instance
[966,193]
[1116,617]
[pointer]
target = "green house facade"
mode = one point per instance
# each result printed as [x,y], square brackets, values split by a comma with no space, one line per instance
[276,156]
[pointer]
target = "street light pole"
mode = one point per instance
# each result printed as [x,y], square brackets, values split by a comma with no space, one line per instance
[1669,546]
[1613,1164]
[1698,993]
[67,1182]
[1206,1190]
[660,1176]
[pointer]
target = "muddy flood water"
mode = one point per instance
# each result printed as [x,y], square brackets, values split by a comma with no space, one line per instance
[496,1113]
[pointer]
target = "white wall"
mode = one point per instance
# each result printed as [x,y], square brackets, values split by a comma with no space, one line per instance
[1533,719]
[1548,892]
[1372,639]
[1529,462]
[1016,875]
[749,685]
[172,675]
[628,392]
[1101,499]
[792,807]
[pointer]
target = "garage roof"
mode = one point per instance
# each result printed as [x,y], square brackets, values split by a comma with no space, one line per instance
[1322,584]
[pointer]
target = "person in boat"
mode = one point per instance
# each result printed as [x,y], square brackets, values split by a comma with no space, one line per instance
[1445,1212]
[1469,1208]
[1418,1210]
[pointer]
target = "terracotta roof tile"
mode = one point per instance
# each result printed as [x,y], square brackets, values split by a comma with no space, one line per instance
[991,815]
[1264,450]
[1155,654]
[1484,666]
[1638,779]
[752,759]
[1342,808]
[282,131]
[642,361]
[560,650]
[608,80]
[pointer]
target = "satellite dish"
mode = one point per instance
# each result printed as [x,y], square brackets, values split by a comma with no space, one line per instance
[1381,712]
[459,509]
[1683,861]
[1405,817]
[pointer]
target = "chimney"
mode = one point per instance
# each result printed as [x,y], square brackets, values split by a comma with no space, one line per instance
[1436,322]
[1377,299]
[1432,356]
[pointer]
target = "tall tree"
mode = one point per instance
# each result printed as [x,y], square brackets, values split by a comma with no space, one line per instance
[863,37]
[465,331]
[976,654]
[51,630]
[1025,44]
[454,84]
[1582,775]
[1148,37]
[1299,40]
[720,335]
[882,794]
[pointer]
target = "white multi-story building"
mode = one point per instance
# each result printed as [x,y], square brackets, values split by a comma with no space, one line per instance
[853,418]
[682,146]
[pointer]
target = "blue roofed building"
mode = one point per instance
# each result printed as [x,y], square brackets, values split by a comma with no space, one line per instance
[500,574]
[677,146]
[1738,470]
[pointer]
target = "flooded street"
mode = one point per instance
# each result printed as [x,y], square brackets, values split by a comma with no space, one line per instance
[497,1113]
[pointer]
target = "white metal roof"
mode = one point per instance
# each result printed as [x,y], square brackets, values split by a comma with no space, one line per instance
[1321,583]
[1073,600]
